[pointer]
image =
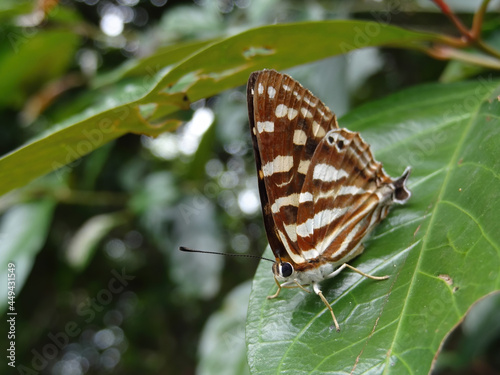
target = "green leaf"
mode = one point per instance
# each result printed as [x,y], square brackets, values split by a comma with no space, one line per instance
[152,64]
[146,105]
[441,249]
[52,50]
[229,62]
[222,344]
[82,246]
[23,230]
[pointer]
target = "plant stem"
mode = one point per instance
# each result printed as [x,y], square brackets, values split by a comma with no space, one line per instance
[487,49]
[477,22]
[453,18]
[472,38]
[448,53]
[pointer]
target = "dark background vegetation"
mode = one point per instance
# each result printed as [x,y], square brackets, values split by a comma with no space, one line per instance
[147,196]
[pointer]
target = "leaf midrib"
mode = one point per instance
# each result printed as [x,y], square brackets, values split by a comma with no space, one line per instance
[448,171]
[324,310]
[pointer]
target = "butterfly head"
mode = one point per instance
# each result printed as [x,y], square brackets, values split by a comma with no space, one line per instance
[283,270]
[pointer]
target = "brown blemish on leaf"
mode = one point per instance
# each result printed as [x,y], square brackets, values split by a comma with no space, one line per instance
[447,279]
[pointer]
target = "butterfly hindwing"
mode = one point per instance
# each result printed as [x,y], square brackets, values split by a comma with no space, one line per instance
[343,197]
[287,124]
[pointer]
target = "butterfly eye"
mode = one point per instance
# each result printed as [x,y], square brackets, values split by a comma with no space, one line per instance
[340,145]
[286,269]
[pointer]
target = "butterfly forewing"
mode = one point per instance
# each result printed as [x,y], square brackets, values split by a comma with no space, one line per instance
[287,124]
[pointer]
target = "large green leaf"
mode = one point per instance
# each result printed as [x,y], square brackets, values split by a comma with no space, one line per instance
[441,249]
[146,105]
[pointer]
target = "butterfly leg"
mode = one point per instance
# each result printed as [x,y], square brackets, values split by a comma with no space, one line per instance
[299,286]
[277,292]
[338,270]
[320,294]
[365,274]
[281,286]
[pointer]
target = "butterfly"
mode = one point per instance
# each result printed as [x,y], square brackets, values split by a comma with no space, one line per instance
[321,190]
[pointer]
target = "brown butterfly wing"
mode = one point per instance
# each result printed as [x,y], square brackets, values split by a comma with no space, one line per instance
[346,193]
[287,123]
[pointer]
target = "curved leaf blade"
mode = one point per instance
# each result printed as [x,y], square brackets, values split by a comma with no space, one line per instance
[229,62]
[442,249]
[145,105]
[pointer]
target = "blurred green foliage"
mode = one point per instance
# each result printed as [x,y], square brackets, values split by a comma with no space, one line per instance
[100,285]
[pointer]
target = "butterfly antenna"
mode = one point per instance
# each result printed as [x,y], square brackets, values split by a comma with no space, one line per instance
[188,250]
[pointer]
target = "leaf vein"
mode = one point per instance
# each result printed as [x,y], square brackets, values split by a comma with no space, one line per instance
[476,221]
[496,175]
[452,162]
